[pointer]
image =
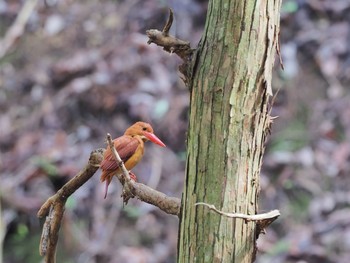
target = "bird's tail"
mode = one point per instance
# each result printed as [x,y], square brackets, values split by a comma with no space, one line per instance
[106,176]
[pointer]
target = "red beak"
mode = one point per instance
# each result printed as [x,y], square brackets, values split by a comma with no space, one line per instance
[153,138]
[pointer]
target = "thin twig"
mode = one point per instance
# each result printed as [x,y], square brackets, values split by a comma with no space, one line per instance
[259,217]
[17,28]
[117,157]
[124,179]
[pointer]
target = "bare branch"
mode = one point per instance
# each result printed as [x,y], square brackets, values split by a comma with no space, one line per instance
[170,43]
[77,181]
[53,208]
[170,205]
[117,157]
[263,218]
[44,240]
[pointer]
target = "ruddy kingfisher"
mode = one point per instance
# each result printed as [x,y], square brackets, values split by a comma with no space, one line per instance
[130,147]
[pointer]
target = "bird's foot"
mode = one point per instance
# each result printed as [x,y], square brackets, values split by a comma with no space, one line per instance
[132,176]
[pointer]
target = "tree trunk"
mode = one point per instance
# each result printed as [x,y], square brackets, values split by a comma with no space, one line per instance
[228,125]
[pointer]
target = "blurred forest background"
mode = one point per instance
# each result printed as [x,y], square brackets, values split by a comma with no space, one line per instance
[83,68]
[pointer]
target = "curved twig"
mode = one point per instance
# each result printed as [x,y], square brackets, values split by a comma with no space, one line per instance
[124,179]
[258,217]
[263,220]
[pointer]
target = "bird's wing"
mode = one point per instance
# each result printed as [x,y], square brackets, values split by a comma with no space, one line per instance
[125,146]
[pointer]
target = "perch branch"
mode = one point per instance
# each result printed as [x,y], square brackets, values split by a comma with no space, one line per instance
[131,189]
[263,220]
[54,206]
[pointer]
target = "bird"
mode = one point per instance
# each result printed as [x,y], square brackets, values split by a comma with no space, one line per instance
[131,148]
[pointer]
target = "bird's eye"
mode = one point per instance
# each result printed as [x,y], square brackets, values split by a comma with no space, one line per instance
[144,129]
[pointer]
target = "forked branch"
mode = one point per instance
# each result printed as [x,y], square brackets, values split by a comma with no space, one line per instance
[54,206]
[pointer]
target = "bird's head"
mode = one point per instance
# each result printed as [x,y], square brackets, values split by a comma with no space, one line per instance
[145,131]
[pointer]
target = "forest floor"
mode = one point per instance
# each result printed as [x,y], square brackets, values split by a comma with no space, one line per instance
[83,68]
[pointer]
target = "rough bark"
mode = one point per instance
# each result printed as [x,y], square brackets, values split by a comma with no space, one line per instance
[228,124]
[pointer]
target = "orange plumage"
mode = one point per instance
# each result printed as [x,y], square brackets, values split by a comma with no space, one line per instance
[130,147]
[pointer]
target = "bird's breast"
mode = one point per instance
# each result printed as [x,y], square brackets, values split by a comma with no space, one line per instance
[135,158]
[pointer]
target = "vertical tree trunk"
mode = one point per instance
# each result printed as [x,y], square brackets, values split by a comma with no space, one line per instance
[228,124]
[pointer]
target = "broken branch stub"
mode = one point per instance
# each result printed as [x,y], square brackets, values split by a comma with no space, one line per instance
[172,44]
[169,43]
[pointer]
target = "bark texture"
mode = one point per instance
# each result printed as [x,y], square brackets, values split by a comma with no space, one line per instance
[229,121]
